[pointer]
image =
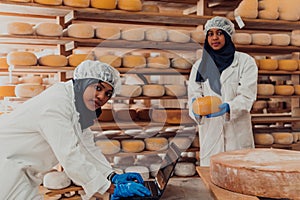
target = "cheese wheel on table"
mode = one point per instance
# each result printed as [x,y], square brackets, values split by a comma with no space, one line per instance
[133,61]
[108,32]
[263,138]
[130,5]
[49,2]
[261,39]
[22,58]
[75,59]
[104,4]
[288,65]
[158,62]
[27,90]
[156,34]
[268,64]
[56,180]
[53,60]
[133,34]
[77,3]
[48,29]
[156,143]
[280,39]
[153,90]
[242,38]
[180,36]
[19,28]
[112,60]
[132,146]
[80,31]
[206,105]
[270,173]
[109,146]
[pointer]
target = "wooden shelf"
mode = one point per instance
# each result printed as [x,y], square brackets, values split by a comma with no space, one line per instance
[145,97]
[273,119]
[278,72]
[294,146]
[277,96]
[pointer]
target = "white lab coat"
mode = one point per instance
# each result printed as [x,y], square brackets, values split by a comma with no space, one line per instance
[41,133]
[238,88]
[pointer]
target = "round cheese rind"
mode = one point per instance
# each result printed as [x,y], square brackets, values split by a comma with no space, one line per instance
[7,91]
[285,90]
[109,146]
[3,63]
[198,36]
[265,89]
[242,38]
[283,138]
[7,80]
[261,39]
[27,90]
[268,64]
[175,90]
[185,169]
[130,90]
[133,61]
[247,9]
[112,60]
[181,63]
[80,31]
[268,14]
[123,160]
[75,59]
[133,34]
[180,36]
[288,65]
[56,180]
[156,34]
[263,138]
[158,62]
[297,90]
[49,29]
[53,60]
[19,28]
[132,146]
[153,90]
[156,143]
[49,2]
[31,79]
[280,39]
[130,5]
[22,58]
[108,32]
[107,4]
[77,3]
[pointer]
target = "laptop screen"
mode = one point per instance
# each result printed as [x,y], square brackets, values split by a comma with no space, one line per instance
[167,166]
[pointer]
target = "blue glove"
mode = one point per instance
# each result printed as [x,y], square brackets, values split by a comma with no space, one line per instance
[224,108]
[127,177]
[129,190]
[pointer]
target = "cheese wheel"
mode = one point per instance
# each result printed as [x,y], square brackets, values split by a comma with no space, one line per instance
[158,62]
[280,39]
[295,40]
[156,143]
[198,36]
[130,5]
[171,116]
[109,146]
[150,8]
[288,65]
[263,172]
[49,2]
[133,34]
[175,90]
[112,60]
[9,80]
[75,59]
[142,170]
[31,79]
[268,64]
[268,14]
[130,90]
[289,15]
[27,90]
[148,159]
[123,160]
[286,90]
[153,90]
[242,38]
[19,28]
[282,138]
[56,180]
[180,36]
[104,4]
[156,34]
[206,105]
[133,61]
[297,89]
[259,105]
[261,39]
[7,91]
[247,9]
[185,169]
[132,146]
[263,138]
[265,89]
[49,29]
[53,60]
[181,142]
[80,31]
[181,63]
[108,32]
[77,3]
[21,58]
[3,63]
[23,1]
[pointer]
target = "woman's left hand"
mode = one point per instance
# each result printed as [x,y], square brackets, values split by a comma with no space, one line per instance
[224,108]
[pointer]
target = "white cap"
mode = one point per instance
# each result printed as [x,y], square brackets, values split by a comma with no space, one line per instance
[220,23]
[98,70]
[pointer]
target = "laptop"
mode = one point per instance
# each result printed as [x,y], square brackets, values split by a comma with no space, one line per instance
[158,186]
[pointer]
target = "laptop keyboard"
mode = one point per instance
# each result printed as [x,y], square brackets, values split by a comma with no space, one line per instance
[152,187]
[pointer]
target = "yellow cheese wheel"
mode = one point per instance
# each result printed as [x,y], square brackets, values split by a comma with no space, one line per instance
[23,1]
[181,63]
[284,90]
[150,8]
[198,36]
[130,90]
[268,64]
[156,34]
[132,61]
[130,5]
[242,38]
[283,138]
[80,31]
[132,146]
[280,39]
[7,91]
[19,28]
[261,39]
[113,60]
[53,60]
[3,63]
[77,3]
[158,62]
[49,29]
[75,59]
[247,9]
[108,32]
[156,143]
[109,146]
[180,36]
[21,58]
[153,90]
[171,116]
[104,4]
[49,2]
[288,65]
[268,14]
[31,79]
[206,105]
[175,90]
[28,90]
[263,138]
[295,40]
[133,34]
[297,89]
[265,89]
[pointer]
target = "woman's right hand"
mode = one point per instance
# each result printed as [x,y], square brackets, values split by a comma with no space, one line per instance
[128,190]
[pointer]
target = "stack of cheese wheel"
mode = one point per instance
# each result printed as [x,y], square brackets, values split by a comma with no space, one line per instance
[109,146]
[156,143]
[265,89]
[22,58]
[180,36]
[280,39]
[263,139]
[159,62]
[175,90]
[56,180]
[112,60]
[283,138]
[156,34]
[268,64]
[80,31]
[132,146]
[53,60]
[198,36]
[108,32]
[268,9]
[285,90]
[247,9]
[3,63]
[133,34]
[19,28]
[104,4]
[49,2]
[76,3]
[295,38]
[242,38]
[263,39]
[263,172]
[130,90]
[48,29]
[75,59]
[130,5]
[288,65]
[181,63]
[206,105]
[133,61]
[28,90]
[153,90]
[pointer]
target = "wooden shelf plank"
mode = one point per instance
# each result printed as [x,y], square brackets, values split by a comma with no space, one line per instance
[146,97]
[278,72]
[268,49]
[270,119]
[42,69]
[277,96]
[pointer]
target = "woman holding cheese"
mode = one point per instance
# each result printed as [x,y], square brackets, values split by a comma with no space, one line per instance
[52,128]
[232,76]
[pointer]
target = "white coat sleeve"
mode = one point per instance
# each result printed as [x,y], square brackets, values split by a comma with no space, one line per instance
[56,126]
[246,89]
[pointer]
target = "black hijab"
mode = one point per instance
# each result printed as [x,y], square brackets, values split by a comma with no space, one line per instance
[86,116]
